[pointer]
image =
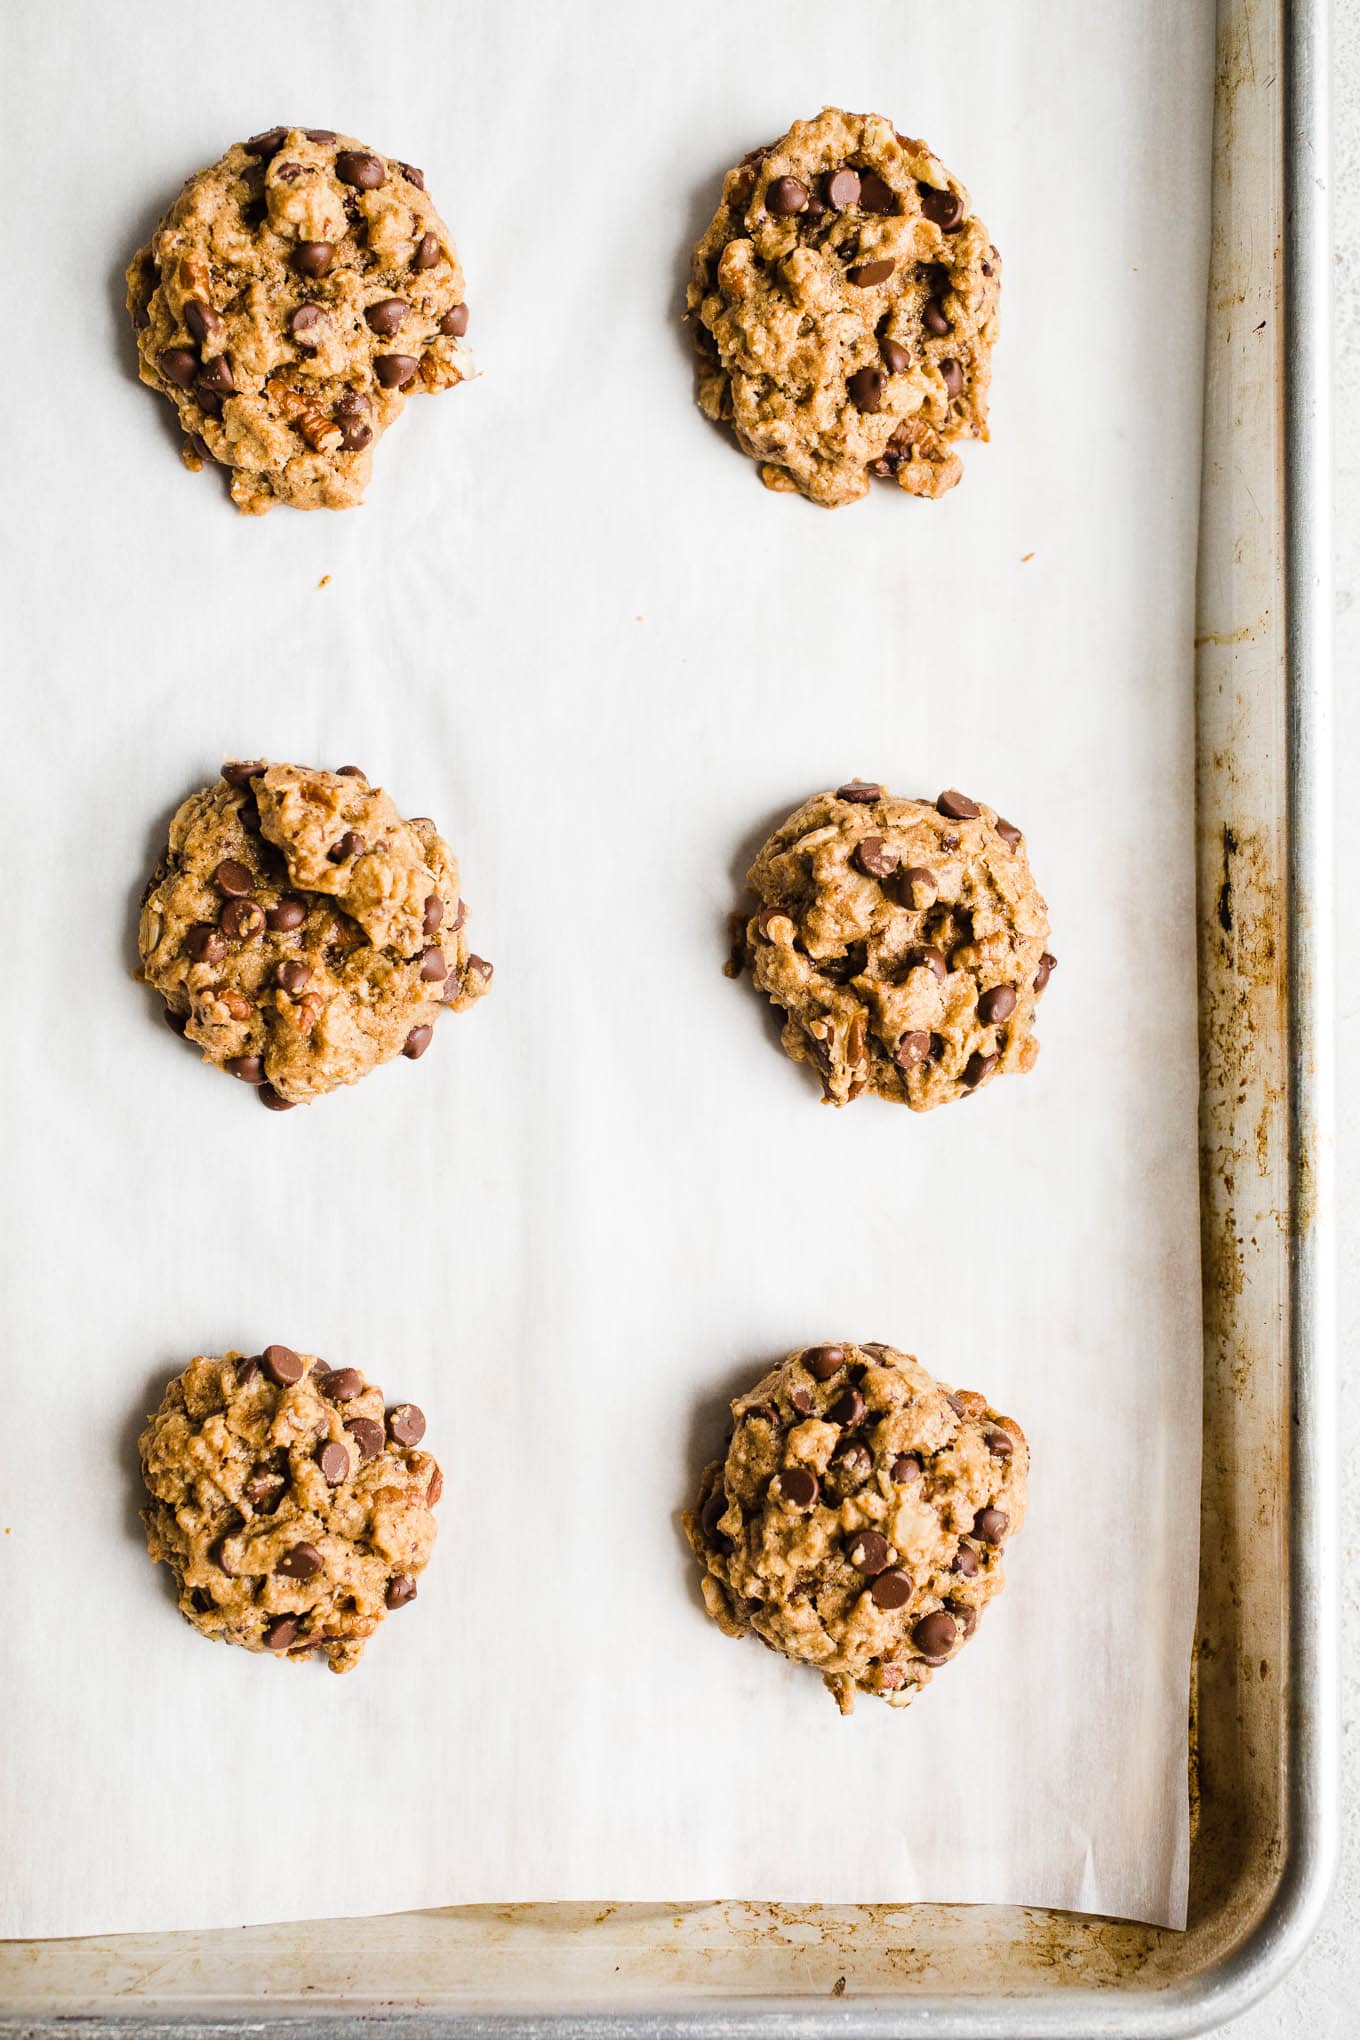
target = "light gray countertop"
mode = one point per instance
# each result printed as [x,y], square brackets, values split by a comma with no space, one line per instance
[1320,2000]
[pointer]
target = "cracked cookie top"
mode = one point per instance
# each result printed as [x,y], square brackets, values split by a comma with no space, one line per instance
[293,1508]
[857,1519]
[844,305]
[301,931]
[904,941]
[291,299]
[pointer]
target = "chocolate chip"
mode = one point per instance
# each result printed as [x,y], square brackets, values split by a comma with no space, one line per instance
[997,1004]
[1000,1444]
[957,806]
[455,322]
[204,944]
[289,913]
[341,1384]
[206,325]
[387,315]
[1008,833]
[933,959]
[977,1067]
[406,1423]
[875,195]
[786,195]
[917,886]
[242,919]
[959,1403]
[394,371]
[200,446]
[892,1589]
[302,1562]
[855,1463]
[176,1022]
[352,772]
[863,790]
[935,1636]
[896,359]
[822,1362]
[281,1632]
[847,1410]
[875,858]
[313,259]
[288,173]
[274,1100]
[905,1469]
[239,772]
[798,1487]
[991,1525]
[319,134]
[434,913]
[953,377]
[866,389]
[714,1508]
[246,1370]
[965,1562]
[333,1460]
[401,1588]
[432,965]
[367,1434]
[761,1413]
[865,274]
[282,1365]
[867,1551]
[249,1068]
[349,846]
[216,377]
[178,365]
[416,1043]
[264,1482]
[232,879]
[356,435]
[427,252]
[934,320]
[842,187]
[942,208]
[913,1048]
[965,1615]
[304,320]
[362,171]
[801,1401]
[410,173]
[1047,965]
[267,144]
[293,977]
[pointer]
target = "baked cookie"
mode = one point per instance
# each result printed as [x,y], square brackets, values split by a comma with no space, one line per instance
[290,301]
[904,941]
[857,1521]
[292,1509]
[844,305]
[300,932]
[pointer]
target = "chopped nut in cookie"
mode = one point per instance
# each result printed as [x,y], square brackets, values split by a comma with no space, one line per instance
[857,1521]
[291,299]
[301,931]
[844,309]
[292,1509]
[904,942]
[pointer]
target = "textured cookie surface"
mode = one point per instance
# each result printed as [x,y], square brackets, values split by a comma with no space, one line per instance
[904,941]
[858,1519]
[293,1510]
[844,305]
[292,298]
[301,932]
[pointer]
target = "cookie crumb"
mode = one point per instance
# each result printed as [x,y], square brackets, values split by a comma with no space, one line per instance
[324,582]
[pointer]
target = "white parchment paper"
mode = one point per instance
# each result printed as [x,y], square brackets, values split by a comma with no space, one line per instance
[571,625]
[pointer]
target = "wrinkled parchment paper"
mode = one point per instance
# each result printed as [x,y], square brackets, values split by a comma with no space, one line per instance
[571,625]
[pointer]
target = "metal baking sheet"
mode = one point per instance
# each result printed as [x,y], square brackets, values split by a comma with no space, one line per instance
[1265,1749]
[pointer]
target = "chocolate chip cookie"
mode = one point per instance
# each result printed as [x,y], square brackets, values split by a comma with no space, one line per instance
[844,305]
[290,301]
[293,1509]
[301,932]
[904,941]
[858,1518]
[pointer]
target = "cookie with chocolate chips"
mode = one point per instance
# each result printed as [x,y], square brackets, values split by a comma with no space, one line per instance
[904,942]
[301,932]
[844,306]
[290,301]
[857,1520]
[294,1511]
